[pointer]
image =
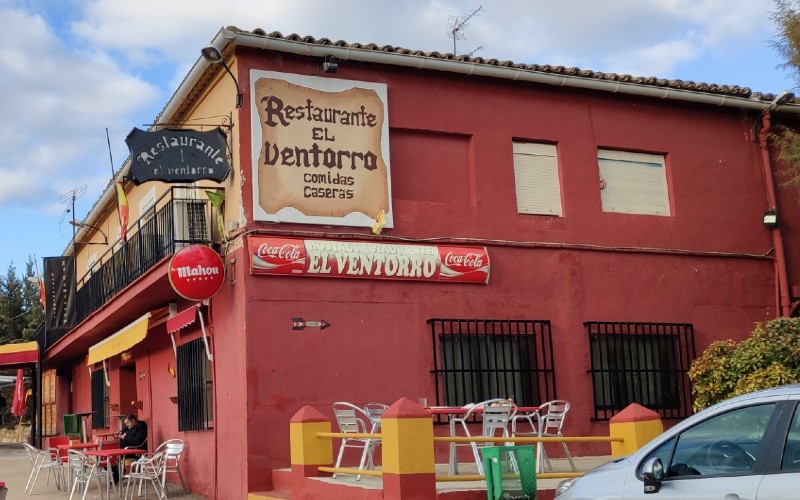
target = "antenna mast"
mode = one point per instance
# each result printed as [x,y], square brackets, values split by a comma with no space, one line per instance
[68,199]
[456,26]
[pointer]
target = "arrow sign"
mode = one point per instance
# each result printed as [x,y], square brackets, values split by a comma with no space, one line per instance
[301,324]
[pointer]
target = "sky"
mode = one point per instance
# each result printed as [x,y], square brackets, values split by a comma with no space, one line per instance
[70,70]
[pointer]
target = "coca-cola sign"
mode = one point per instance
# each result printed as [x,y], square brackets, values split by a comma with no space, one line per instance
[366,260]
[196,272]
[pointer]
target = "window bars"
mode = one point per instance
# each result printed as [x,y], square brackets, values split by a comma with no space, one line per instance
[644,363]
[479,359]
[195,408]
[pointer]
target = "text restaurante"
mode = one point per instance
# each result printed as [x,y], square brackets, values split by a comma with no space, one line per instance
[276,109]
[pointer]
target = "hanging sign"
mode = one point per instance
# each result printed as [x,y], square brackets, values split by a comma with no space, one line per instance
[344,259]
[178,155]
[196,272]
[60,292]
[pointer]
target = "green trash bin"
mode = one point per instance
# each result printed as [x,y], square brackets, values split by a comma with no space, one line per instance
[72,425]
[510,472]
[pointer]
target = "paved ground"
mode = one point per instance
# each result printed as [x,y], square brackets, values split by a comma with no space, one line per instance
[15,468]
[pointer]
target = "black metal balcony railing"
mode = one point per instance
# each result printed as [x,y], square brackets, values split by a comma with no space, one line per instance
[175,220]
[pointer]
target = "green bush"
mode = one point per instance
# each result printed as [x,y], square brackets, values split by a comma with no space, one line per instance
[770,357]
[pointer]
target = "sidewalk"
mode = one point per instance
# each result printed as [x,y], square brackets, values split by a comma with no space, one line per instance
[15,468]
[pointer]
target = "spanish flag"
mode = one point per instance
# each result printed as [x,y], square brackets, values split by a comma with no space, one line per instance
[122,203]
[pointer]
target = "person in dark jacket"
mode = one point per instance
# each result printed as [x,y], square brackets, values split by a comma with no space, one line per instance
[134,435]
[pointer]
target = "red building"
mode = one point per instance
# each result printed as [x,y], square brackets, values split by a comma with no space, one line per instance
[401,223]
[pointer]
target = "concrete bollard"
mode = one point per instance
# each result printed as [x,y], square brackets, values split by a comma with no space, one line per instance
[409,470]
[307,450]
[636,425]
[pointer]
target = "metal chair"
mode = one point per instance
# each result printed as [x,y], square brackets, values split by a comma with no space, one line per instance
[147,468]
[42,460]
[172,450]
[352,419]
[375,412]
[549,422]
[82,471]
[494,414]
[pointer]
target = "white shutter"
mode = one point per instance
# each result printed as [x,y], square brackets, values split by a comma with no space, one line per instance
[147,202]
[537,181]
[635,183]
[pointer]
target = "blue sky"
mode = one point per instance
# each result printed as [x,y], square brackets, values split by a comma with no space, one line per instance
[70,69]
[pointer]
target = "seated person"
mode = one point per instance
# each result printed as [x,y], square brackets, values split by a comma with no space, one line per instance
[133,436]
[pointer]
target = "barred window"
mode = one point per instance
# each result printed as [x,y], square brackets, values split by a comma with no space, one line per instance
[100,402]
[195,394]
[644,363]
[476,360]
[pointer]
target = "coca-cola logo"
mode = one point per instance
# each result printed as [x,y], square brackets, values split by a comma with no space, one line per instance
[287,251]
[469,260]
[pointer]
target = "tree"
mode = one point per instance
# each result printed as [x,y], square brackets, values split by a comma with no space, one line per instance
[769,357]
[21,311]
[785,139]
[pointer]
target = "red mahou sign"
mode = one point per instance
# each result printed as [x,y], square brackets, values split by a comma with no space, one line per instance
[345,259]
[196,272]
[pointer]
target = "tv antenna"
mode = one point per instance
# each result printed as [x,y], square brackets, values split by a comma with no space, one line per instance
[68,199]
[456,26]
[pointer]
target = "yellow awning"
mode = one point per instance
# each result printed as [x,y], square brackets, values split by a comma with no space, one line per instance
[120,341]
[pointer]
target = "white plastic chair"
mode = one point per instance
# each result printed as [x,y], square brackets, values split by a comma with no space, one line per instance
[352,419]
[548,421]
[375,412]
[172,449]
[42,460]
[495,415]
[147,468]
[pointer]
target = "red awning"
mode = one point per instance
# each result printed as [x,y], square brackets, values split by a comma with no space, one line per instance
[181,320]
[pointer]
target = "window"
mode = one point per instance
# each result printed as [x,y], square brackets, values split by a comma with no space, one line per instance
[476,360]
[100,403]
[195,387]
[791,452]
[633,183]
[645,363]
[723,444]
[49,414]
[147,203]
[536,177]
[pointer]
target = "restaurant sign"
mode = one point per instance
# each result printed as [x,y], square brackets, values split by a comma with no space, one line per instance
[320,150]
[345,259]
[178,155]
[196,272]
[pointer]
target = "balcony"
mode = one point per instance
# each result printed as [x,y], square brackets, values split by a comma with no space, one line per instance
[183,216]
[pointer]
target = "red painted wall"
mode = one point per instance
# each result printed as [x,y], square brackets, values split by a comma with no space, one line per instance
[708,264]
[452,177]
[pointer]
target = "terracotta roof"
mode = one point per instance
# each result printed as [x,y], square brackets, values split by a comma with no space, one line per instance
[649,81]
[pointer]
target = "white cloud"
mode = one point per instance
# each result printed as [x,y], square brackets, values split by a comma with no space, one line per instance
[57,101]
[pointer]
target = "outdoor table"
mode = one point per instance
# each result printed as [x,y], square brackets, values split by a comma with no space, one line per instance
[84,415]
[106,456]
[460,410]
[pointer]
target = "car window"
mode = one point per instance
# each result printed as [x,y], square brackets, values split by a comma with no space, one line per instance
[791,452]
[723,444]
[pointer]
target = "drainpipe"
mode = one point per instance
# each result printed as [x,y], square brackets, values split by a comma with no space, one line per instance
[783,299]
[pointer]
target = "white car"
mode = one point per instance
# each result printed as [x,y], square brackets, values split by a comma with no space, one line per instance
[747,447]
